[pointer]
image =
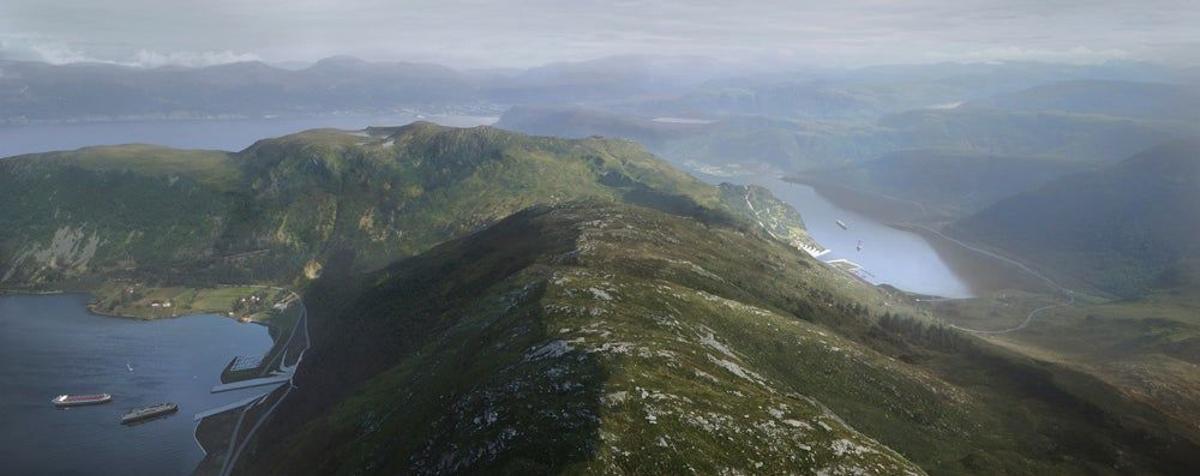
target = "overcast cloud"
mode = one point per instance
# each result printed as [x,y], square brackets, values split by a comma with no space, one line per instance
[523,33]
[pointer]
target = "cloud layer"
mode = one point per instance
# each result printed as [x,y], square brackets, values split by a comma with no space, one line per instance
[527,32]
[54,52]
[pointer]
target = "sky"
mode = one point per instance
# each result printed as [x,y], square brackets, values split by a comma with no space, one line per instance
[502,33]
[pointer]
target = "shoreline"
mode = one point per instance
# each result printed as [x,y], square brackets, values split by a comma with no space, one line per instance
[981,272]
[190,401]
[211,432]
[882,208]
[23,292]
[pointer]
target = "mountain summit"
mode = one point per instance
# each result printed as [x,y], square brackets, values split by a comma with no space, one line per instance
[289,204]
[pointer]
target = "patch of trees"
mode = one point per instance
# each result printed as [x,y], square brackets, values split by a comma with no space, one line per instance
[930,335]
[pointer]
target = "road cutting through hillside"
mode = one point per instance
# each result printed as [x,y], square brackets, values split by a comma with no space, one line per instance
[1032,314]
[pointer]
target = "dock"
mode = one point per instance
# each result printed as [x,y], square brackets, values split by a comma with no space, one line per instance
[812,249]
[245,362]
[852,268]
[254,382]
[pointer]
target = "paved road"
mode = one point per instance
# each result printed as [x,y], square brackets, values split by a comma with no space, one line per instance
[254,382]
[1023,324]
[1032,272]
[1032,314]
[224,408]
[235,447]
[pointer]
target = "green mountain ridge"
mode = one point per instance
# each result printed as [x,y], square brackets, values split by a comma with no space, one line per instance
[1117,229]
[486,301]
[593,338]
[283,206]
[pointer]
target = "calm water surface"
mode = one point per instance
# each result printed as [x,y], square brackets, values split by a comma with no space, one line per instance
[51,345]
[892,256]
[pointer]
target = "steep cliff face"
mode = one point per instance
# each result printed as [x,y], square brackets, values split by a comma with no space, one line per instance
[67,254]
[107,210]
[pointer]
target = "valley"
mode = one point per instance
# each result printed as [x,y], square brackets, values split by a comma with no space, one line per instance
[435,238]
[548,305]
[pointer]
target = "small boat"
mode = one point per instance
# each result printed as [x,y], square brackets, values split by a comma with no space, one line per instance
[859,245]
[128,366]
[78,400]
[151,411]
[842,224]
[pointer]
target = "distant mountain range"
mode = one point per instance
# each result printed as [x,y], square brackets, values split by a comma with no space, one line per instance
[942,183]
[641,85]
[1143,100]
[1123,229]
[31,91]
[36,91]
[807,145]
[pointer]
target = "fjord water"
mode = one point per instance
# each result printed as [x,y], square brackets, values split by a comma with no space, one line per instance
[51,345]
[892,256]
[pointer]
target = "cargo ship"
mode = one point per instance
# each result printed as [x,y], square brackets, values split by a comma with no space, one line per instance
[78,400]
[151,411]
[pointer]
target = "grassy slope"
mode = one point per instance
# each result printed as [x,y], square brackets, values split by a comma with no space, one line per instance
[263,214]
[1116,230]
[1147,348]
[122,299]
[1127,230]
[598,338]
[107,209]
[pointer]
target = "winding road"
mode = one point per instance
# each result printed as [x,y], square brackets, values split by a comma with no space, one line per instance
[236,447]
[1053,284]
[1023,324]
[1032,314]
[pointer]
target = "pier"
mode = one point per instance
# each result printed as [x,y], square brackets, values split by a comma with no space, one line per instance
[256,382]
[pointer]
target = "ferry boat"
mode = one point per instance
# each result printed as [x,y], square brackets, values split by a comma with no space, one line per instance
[77,400]
[842,224]
[149,412]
